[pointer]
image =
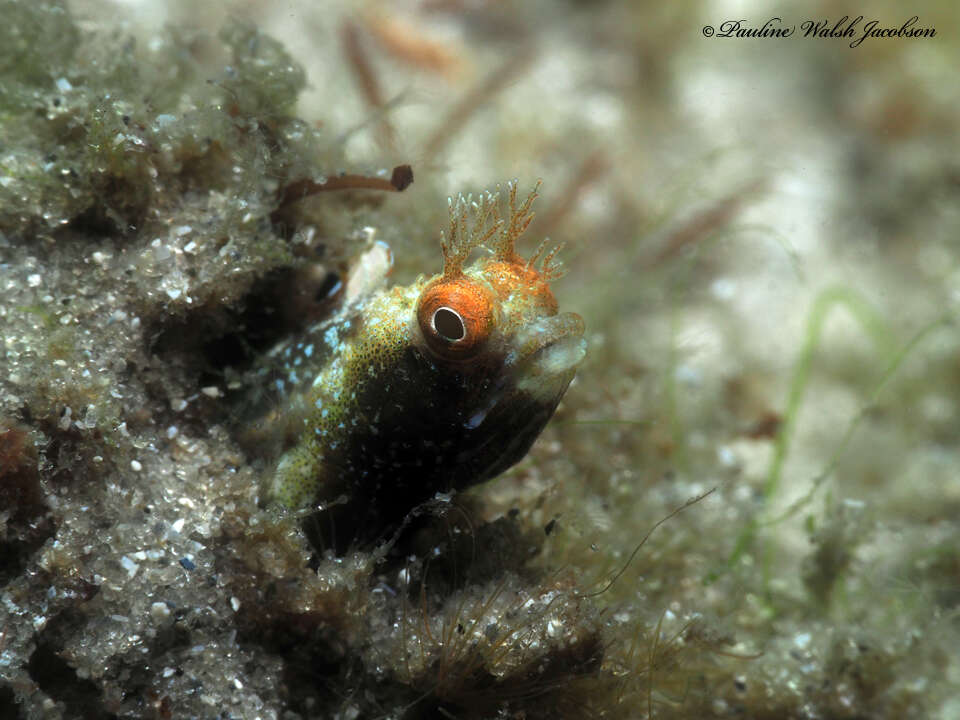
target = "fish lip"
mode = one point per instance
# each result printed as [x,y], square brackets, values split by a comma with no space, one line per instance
[549,335]
[560,357]
[548,354]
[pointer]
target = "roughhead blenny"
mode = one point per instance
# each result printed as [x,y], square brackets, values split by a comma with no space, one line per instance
[411,391]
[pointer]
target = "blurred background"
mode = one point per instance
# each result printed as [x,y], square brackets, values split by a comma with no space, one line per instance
[762,237]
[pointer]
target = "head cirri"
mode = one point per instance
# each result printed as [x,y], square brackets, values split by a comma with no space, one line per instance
[432,387]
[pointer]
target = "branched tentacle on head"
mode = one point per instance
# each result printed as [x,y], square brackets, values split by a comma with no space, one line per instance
[552,267]
[465,235]
[474,223]
[505,245]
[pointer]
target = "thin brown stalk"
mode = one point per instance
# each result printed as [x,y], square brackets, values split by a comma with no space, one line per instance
[368,82]
[465,108]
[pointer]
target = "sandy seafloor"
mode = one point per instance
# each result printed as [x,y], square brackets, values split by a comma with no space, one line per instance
[761,236]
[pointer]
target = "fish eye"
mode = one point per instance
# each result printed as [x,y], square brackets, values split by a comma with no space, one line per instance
[455,317]
[448,324]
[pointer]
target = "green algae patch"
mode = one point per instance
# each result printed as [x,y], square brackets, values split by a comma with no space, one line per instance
[263,81]
[136,188]
[39,41]
[106,136]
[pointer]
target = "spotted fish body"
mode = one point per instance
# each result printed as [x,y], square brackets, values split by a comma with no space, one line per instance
[429,388]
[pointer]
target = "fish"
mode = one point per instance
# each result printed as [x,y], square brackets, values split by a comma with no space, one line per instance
[409,394]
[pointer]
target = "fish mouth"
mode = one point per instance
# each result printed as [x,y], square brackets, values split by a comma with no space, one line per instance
[542,361]
[546,355]
[506,419]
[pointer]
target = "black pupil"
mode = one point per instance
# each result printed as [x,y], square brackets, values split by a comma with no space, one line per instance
[448,324]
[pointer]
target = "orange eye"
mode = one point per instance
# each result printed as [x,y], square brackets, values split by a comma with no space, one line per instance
[455,317]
